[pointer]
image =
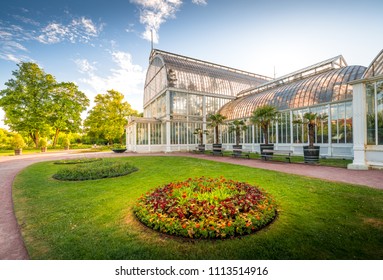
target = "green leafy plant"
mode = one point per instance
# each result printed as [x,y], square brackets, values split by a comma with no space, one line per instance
[206,208]
[200,132]
[264,116]
[311,119]
[215,121]
[66,142]
[77,160]
[237,126]
[43,142]
[95,170]
[17,142]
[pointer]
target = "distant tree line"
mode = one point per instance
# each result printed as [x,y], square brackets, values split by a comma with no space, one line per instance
[37,106]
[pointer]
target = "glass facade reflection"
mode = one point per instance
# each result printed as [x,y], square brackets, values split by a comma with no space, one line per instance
[374,101]
[180,92]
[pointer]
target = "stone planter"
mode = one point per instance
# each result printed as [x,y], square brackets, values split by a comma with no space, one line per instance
[18,152]
[119,150]
[311,154]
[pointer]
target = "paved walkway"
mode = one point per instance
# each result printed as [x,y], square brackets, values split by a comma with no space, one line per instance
[11,242]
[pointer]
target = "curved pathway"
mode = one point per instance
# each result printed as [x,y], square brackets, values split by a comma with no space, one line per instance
[12,245]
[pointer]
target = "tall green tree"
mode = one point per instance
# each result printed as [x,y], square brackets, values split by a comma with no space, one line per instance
[108,118]
[237,126]
[67,104]
[264,116]
[26,100]
[215,121]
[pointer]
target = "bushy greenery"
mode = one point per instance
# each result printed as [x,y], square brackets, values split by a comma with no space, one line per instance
[17,142]
[43,142]
[206,208]
[106,168]
[77,160]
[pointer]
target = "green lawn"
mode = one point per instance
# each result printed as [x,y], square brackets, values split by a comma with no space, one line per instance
[93,219]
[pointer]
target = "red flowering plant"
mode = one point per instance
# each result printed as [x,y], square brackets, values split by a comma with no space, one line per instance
[206,208]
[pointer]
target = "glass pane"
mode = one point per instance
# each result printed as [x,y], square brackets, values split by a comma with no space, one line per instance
[379,102]
[370,98]
[335,134]
[349,122]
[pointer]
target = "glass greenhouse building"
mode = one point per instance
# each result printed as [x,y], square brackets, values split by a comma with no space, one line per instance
[180,92]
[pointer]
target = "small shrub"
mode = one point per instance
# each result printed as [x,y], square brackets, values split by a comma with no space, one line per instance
[43,142]
[206,208]
[17,142]
[94,170]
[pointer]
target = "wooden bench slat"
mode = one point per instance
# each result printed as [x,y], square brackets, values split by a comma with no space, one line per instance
[287,153]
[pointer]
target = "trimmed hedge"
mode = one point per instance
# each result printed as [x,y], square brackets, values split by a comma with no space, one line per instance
[107,168]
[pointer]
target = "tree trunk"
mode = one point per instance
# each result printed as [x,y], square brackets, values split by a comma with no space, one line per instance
[56,137]
[237,136]
[35,138]
[311,135]
[216,135]
[266,135]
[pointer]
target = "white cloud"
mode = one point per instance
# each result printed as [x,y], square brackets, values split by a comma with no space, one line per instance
[26,20]
[84,66]
[11,42]
[53,33]
[154,13]
[199,2]
[78,30]
[10,57]
[126,77]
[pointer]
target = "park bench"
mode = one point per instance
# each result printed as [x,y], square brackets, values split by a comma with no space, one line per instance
[240,153]
[217,151]
[268,154]
[200,149]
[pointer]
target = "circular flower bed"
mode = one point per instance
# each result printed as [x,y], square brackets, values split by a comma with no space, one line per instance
[206,208]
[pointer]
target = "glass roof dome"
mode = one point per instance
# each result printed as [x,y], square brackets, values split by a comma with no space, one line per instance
[324,82]
[177,72]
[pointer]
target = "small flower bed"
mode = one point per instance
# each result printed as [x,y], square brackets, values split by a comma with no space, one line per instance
[77,160]
[206,208]
[95,170]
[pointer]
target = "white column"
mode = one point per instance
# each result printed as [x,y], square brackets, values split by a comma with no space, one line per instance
[134,147]
[204,117]
[149,136]
[359,127]
[167,99]
[329,131]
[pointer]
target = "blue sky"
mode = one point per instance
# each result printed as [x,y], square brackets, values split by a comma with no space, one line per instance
[102,45]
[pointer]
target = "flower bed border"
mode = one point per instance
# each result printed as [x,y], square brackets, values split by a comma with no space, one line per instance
[217,219]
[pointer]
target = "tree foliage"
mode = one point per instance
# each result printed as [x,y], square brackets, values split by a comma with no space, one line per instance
[26,101]
[67,104]
[108,118]
[311,120]
[215,121]
[264,116]
[237,126]
[34,103]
